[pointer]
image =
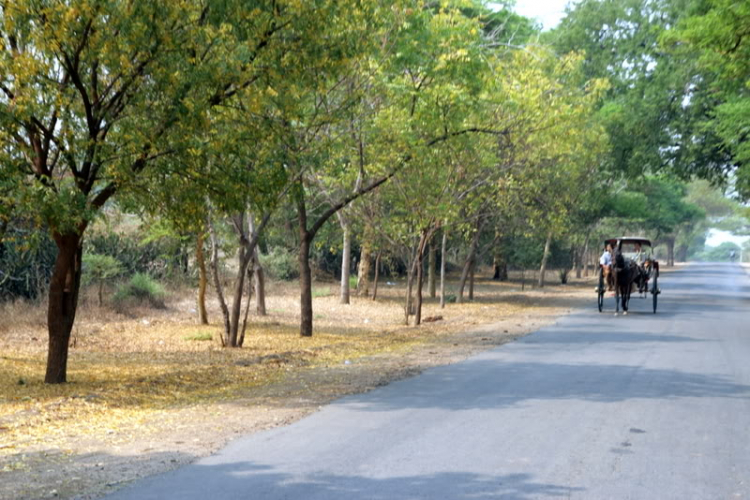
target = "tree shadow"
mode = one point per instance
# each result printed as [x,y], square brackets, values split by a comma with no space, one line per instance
[515,383]
[251,480]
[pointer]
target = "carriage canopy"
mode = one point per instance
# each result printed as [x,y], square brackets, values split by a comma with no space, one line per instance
[635,248]
[628,239]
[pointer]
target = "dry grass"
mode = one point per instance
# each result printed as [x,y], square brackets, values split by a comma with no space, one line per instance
[128,370]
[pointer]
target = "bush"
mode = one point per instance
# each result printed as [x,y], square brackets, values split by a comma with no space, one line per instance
[141,288]
[160,258]
[280,264]
[99,268]
[27,257]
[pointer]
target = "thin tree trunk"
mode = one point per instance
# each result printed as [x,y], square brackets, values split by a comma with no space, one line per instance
[582,255]
[217,279]
[101,293]
[409,287]
[202,279]
[363,272]
[470,257]
[471,279]
[443,250]
[346,260]
[423,242]
[305,274]
[64,287]
[670,252]
[499,266]
[259,283]
[420,280]
[545,256]
[244,258]
[431,265]
[377,277]
[250,273]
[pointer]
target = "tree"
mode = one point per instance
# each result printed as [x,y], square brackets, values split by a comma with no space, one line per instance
[716,32]
[99,269]
[93,94]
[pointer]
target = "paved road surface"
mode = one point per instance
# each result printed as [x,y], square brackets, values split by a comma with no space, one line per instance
[595,407]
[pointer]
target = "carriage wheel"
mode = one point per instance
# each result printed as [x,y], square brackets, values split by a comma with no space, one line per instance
[600,291]
[655,291]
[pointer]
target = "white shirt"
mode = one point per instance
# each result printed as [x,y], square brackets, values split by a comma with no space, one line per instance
[606,259]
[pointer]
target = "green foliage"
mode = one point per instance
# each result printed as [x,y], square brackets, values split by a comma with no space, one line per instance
[201,337]
[721,253]
[321,292]
[27,255]
[141,288]
[159,257]
[97,267]
[280,264]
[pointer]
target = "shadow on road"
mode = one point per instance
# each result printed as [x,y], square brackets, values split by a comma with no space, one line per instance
[515,383]
[251,480]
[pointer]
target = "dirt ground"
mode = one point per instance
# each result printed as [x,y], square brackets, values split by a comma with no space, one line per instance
[149,390]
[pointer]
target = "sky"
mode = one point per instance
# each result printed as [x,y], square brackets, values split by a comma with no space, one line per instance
[547,12]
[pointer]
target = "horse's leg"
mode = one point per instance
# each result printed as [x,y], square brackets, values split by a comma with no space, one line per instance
[616,277]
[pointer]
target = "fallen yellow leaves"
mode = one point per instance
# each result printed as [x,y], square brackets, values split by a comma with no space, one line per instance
[125,374]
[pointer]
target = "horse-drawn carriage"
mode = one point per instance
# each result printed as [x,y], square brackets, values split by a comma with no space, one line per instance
[632,268]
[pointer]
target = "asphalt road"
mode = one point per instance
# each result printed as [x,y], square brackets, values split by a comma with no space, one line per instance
[595,407]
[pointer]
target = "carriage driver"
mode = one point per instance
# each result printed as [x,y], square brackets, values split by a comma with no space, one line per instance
[606,262]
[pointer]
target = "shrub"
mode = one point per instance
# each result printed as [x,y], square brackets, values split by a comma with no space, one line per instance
[141,288]
[99,268]
[281,264]
[27,257]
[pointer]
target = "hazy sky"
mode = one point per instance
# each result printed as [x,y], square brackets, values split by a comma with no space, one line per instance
[547,12]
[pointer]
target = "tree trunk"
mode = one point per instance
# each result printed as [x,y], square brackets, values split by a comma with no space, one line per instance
[305,274]
[431,264]
[259,283]
[581,262]
[468,263]
[250,274]
[409,288]
[443,250]
[64,287]
[545,256]
[217,280]
[499,268]
[239,287]
[202,279]
[377,277]
[101,293]
[363,273]
[424,240]
[346,260]
[682,253]
[670,252]
[420,280]
[471,279]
